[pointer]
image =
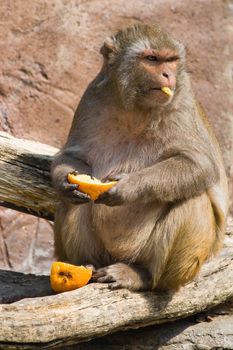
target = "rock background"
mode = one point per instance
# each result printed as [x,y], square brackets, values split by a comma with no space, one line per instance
[49,53]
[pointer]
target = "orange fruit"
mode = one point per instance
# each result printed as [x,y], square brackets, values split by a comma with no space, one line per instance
[65,277]
[89,185]
[167,90]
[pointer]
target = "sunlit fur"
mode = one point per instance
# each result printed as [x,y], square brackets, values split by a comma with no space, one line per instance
[173,196]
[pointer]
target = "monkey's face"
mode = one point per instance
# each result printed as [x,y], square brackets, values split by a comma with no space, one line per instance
[154,70]
[141,61]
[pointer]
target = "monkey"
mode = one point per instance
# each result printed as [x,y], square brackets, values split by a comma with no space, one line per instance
[166,214]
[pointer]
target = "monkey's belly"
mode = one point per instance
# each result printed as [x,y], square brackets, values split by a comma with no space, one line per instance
[125,230]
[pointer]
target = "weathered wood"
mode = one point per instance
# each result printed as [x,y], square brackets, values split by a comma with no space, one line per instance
[94,310]
[25,183]
[182,334]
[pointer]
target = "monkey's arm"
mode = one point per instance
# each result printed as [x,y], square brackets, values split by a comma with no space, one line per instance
[175,178]
[64,163]
[178,178]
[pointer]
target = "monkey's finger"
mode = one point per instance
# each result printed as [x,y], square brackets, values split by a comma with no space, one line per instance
[113,177]
[77,197]
[69,187]
[115,285]
[98,274]
[81,195]
[105,179]
[106,279]
[116,177]
[101,270]
[109,195]
[109,199]
[75,172]
[102,198]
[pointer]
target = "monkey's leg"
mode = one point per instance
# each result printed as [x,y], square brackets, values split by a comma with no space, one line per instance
[75,241]
[194,242]
[121,275]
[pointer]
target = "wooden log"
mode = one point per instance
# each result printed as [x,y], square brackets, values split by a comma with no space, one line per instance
[183,334]
[94,310]
[25,183]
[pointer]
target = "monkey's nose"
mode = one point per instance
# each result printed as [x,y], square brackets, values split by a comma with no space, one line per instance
[168,79]
[166,75]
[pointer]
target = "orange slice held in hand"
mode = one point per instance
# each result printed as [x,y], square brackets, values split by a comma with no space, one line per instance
[89,185]
[65,277]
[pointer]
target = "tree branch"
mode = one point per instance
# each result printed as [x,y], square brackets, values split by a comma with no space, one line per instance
[25,183]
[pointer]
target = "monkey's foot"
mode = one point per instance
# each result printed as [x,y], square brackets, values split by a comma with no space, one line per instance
[121,275]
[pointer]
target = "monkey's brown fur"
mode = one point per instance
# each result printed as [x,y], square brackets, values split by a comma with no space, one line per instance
[166,215]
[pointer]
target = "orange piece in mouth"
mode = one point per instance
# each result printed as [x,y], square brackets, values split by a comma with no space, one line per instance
[167,90]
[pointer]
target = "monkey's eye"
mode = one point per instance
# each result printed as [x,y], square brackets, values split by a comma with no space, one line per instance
[172,59]
[151,58]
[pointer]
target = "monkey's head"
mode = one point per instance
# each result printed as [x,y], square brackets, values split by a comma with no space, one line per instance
[141,60]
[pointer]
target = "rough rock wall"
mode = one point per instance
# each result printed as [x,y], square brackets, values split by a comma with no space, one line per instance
[49,53]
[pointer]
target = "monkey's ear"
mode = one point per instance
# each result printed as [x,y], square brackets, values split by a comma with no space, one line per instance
[110,46]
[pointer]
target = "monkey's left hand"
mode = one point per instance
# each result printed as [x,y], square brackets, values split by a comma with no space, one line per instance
[119,193]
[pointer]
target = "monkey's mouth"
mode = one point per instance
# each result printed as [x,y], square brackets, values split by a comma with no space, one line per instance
[165,90]
[160,88]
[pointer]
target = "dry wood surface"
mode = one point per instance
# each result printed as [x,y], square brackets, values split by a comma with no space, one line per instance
[212,333]
[25,183]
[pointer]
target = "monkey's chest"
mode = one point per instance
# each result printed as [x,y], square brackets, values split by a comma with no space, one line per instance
[117,155]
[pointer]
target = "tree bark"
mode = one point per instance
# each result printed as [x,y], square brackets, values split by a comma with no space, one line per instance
[183,334]
[25,183]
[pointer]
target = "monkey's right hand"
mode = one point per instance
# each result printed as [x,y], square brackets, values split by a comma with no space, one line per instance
[70,193]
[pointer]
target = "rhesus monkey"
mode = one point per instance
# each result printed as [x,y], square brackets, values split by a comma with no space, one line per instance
[166,214]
